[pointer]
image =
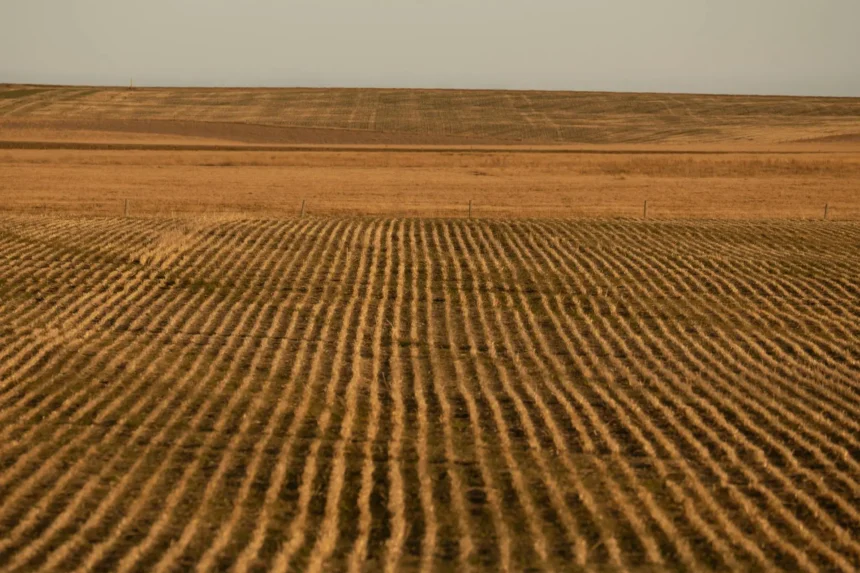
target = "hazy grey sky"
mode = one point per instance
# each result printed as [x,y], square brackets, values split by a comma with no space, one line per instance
[726,46]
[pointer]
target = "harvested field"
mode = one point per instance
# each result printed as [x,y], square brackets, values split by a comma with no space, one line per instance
[389,116]
[394,393]
[429,182]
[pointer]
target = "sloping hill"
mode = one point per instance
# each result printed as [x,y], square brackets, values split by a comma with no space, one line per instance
[436,116]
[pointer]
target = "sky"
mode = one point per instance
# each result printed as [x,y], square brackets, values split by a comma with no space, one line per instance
[792,47]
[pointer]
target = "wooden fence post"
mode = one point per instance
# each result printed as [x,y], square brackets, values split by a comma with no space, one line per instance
[645,210]
[826,210]
[302,214]
[125,211]
[470,209]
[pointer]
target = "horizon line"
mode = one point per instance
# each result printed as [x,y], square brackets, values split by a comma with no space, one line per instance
[424,89]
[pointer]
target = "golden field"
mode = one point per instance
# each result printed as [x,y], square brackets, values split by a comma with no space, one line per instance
[439,184]
[426,153]
[444,116]
[319,393]
[214,382]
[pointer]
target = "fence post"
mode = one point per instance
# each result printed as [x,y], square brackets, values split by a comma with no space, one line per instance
[826,210]
[645,210]
[125,210]
[470,209]
[302,214]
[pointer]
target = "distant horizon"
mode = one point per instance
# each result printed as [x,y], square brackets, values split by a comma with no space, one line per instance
[713,47]
[414,88]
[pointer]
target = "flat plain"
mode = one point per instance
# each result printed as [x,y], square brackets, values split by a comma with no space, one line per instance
[558,383]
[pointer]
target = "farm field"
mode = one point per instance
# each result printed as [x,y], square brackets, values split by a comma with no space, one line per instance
[428,330]
[429,182]
[241,392]
[391,116]
[263,152]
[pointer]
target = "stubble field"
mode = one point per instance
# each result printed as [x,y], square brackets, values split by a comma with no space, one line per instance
[216,383]
[399,116]
[369,393]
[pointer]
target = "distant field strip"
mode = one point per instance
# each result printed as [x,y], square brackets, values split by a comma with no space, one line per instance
[528,116]
[389,394]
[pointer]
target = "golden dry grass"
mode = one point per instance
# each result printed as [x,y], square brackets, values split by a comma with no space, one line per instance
[403,394]
[425,152]
[431,184]
[213,383]
[441,116]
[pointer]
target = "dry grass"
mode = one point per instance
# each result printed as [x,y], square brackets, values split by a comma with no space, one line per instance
[402,394]
[213,383]
[428,116]
[432,184]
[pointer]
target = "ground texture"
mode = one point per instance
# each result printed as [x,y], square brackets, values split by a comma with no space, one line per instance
[503,184]
[428,394]
[434,116]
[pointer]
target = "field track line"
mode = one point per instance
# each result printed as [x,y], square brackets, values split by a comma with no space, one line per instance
[776,317]
[63,309]
[685,290]
[58,398]
[135,303]
[67,399]
[616,495]
[397,500]
[772,374]
[28,253]
[756,405]
[605,341]
[359,553]
[764,358]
